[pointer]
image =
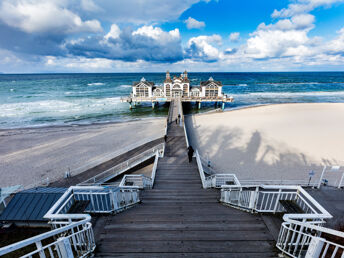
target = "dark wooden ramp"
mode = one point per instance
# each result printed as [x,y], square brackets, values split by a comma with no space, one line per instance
[180,219]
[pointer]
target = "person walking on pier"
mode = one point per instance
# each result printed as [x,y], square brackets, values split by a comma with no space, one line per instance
[190,153]
[178,118]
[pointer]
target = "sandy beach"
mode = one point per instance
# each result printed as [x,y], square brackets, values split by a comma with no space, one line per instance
[28,156]
[273,142]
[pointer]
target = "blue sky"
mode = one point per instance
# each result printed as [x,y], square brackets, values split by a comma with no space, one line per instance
[155,35]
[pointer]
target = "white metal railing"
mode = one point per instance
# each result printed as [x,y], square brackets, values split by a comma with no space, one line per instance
[155,165]
[124,166]
[214,180]
[301,234]
[72,234]
[141,181]
[305,183]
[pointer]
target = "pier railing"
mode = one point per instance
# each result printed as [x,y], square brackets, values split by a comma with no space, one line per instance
[124,166]
[72,234]
[141,181]
[301,233]
[214,180]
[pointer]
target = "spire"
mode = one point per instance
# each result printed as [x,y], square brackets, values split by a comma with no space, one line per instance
[185,74]
[211,79]
[143,79]
[168,75]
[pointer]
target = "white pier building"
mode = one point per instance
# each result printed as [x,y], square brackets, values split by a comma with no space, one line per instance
[177,87]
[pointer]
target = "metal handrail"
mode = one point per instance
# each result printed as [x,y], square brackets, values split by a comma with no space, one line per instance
[299,231]
[73,232]
[122,167]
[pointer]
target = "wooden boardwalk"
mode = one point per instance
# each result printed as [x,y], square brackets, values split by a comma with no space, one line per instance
[180,219]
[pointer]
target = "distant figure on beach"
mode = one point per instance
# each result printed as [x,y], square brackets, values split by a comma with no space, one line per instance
[190,153]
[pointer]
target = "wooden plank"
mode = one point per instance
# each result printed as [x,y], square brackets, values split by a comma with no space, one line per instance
[193,255]
[187,225]
[186,236]
[231,218]
[187,246]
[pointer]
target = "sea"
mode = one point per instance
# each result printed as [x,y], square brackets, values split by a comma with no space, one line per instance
[36,100]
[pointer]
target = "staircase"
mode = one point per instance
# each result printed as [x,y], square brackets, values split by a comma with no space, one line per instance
[178,218]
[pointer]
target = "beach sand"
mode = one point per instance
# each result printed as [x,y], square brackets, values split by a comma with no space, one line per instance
[28,156]
[273,142]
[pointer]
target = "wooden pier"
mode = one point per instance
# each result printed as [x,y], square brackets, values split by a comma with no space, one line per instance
[179,218]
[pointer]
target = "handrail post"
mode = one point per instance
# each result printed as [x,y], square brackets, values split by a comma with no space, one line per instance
[340,181]
[40,249]
[277,200]
[321,177]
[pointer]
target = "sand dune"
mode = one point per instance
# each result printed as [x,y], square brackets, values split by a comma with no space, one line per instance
[283,141]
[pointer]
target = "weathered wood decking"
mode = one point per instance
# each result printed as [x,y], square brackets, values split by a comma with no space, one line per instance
[179,218]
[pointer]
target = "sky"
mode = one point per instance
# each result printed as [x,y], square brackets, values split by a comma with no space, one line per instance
[54,36]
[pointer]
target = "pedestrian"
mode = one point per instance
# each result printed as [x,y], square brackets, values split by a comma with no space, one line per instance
[179,118]
[165,138]
[176,120]
[190,153]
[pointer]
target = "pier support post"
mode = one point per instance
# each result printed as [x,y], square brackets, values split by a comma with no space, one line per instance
[199,105]
[223,106]
[153,104]
[134,104]
[130,105]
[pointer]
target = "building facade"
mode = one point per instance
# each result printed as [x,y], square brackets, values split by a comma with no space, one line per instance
[178,87]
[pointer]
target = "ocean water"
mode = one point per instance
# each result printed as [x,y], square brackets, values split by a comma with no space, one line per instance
[33,100]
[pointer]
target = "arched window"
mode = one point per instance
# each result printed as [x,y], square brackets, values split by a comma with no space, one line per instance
[142,90]
[211,90]
[157,93]
[168,90]
[185,90]
[195,92]
[177,90]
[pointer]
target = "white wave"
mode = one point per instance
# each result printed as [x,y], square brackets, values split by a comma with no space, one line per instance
[96,84]
[243,84]
[125,86]
[60,108]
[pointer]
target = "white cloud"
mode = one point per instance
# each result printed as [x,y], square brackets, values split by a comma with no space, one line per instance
[234,36]
[157,33]
[336,46]
[201,48]
[149,43]
[90,6]
[302,6]
[143,12]
[192,23]
[114,32]
[44,17]
[274,43]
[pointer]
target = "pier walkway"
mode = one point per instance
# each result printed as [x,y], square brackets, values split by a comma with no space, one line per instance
[178,218]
